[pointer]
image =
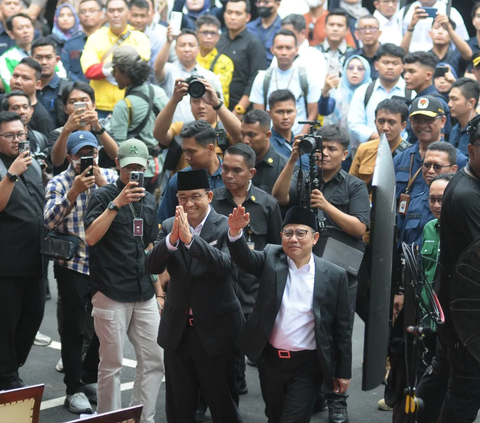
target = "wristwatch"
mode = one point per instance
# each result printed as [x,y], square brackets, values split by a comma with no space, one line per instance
[113,206]
[12,177]
[217,107]
[100,132]
[240,109]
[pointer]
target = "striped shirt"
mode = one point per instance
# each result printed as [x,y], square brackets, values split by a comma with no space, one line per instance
[56,219]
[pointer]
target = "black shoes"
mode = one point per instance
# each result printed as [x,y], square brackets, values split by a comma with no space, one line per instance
[337,415]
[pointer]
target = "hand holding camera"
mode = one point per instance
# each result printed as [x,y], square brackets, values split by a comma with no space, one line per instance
[331,81]
[131,193]
[21,163]
[419,13]
[318,200]
[180,90]
[210,97]
[75,120]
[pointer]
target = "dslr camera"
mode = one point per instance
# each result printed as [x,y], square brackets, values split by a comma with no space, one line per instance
[196,89]
[312,141]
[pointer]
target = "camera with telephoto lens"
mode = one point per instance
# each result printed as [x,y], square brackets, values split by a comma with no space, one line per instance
[196,88]
[312,141]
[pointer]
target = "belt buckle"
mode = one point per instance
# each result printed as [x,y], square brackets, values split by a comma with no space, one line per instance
[190,321]
[283,354]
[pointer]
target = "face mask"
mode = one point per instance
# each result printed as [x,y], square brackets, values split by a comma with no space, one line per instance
[314,3]
[265,12]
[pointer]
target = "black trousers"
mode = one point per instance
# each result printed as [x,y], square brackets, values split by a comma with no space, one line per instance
[336,400]
[189,368]
[290,385]
[462,401]
[22,304]
[74,290]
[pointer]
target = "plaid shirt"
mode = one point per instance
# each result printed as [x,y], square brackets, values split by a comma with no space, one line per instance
[56,219]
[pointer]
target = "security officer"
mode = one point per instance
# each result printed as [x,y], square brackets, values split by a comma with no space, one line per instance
[264,228]
[344,200]
[440,158]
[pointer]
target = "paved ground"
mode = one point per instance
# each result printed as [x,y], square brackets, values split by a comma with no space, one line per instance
[40,368]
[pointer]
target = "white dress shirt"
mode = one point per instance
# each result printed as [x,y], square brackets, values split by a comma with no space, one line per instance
[421,40]
[294,328]
[391,28]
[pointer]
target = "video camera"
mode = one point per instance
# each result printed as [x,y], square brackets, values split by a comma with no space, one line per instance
[196,88]
[311,142]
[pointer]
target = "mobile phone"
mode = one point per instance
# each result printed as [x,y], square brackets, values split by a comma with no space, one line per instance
[334,68]
[176,22]
[440,71]
[84,163]
[137,177]
[23,146]
[79,105]
[430,11]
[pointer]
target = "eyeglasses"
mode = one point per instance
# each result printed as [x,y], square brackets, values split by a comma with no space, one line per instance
[20,136]
[195,198]
[208,33]
[372,29]
[433,200]
[91,11]
[299,233]
[358,68]
[436,166]
[428,120]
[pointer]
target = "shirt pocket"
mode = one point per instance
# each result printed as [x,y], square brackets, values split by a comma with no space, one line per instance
[428,250]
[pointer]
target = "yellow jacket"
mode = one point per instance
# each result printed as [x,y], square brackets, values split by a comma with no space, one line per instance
[107,94]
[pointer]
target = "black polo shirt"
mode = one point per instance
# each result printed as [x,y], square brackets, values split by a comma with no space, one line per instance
[21,224]
[117,261]
[249,56]
[264,228]
[344,191]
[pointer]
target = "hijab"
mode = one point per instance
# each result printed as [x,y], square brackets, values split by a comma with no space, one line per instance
[66,35]
[345,90]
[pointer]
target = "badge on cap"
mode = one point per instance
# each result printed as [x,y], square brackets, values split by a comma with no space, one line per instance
[81,137]
[423,103]
[133,149]
[270,160]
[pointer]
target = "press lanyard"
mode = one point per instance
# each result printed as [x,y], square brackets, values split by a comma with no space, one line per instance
[410,179]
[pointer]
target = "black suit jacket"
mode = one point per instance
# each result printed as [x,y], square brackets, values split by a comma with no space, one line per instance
[333,322]
[202,278]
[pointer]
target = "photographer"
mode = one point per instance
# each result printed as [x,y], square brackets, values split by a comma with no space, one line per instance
[120,226]
[345,205]
[187,49]
[134,116]
[81,117]
[202,109]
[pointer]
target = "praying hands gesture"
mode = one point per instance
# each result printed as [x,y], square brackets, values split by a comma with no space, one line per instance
[237,220]
[181,228]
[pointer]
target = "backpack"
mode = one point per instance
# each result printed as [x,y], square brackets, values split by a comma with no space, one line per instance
[135,133]
[302,73]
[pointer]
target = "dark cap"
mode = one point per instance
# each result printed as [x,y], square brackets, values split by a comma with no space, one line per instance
[193,179]
[300,216]
[124,55]
[427,106]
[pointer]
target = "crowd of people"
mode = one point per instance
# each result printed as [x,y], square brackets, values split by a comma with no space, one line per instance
[186,165]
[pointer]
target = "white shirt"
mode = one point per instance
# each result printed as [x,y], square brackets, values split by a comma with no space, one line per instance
[290,80]
[391,28]
[294,328]
[361,120]
[175,71]
[421,40]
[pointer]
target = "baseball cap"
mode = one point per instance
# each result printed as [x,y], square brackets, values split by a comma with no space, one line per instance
[133,151]
[427,106]
[124,55]
[476,59]
[80,139]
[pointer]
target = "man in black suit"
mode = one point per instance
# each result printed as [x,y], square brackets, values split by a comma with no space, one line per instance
[301,324]
[202,316]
